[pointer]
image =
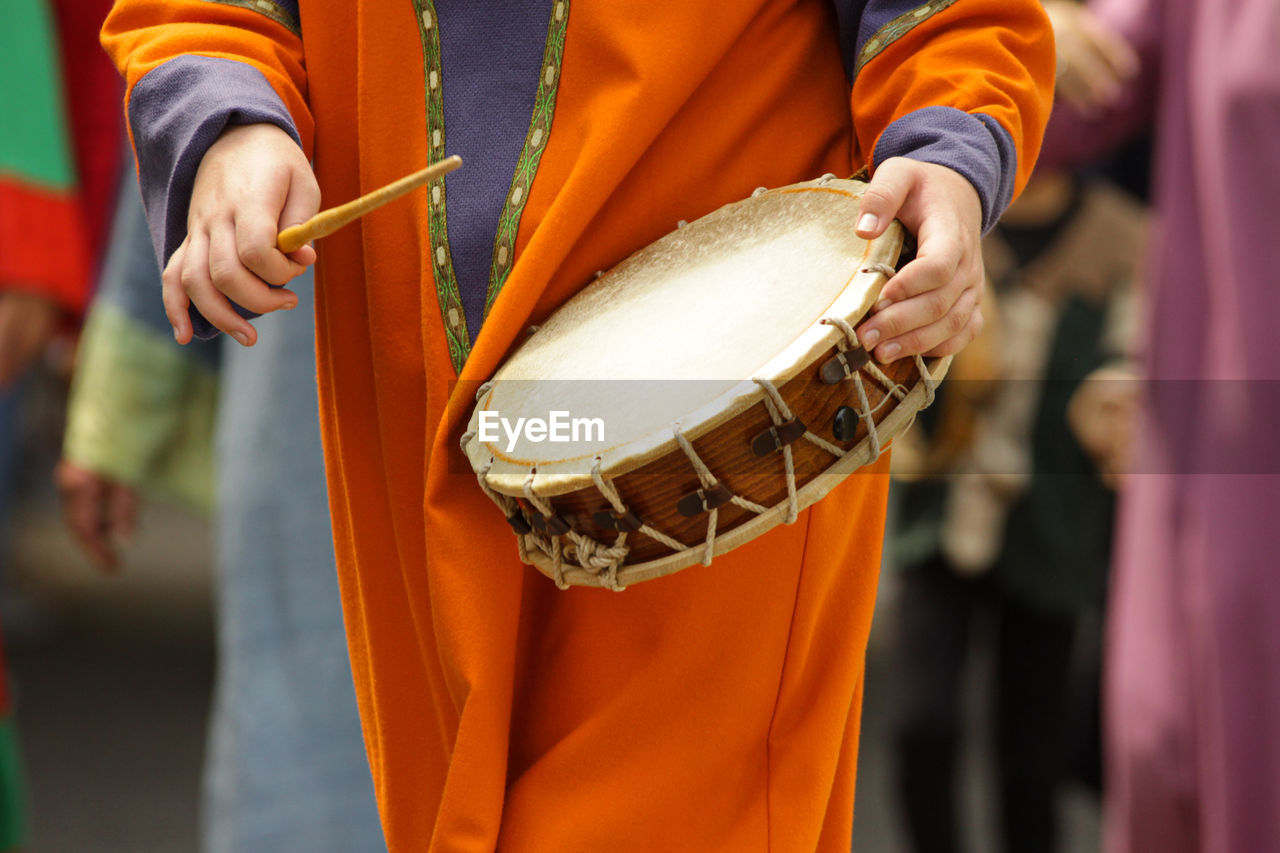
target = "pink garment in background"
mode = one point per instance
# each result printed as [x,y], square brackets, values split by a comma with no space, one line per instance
[1193,683]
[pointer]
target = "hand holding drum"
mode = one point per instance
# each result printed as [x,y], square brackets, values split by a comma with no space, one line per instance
[730,384]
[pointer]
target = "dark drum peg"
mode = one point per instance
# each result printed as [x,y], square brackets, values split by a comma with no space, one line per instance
[846,423]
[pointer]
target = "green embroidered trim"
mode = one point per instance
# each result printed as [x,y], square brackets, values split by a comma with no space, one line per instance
[455,318]
[535,142]
[896,29]
[270,9]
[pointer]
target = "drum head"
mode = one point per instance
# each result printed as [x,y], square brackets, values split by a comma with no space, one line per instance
[675,334]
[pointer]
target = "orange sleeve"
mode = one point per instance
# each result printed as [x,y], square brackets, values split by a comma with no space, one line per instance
[932,80]
[143,35]
[193,68]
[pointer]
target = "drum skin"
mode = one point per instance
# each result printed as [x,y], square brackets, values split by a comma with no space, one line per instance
[718,386]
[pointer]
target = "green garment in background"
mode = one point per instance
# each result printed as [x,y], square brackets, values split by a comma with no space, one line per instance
[143,409]
[33,134]
[13,806]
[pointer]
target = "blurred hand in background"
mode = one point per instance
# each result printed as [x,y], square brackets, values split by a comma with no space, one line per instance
[1094,62]
[100,512]
[27,324]
[1103,414]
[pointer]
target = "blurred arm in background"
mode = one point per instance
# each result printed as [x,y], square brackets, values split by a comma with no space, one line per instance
[141,412]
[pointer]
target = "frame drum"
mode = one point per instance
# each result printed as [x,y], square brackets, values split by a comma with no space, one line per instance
[704,390]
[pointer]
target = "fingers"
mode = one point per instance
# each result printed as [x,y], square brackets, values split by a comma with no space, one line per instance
[1118,54]
[1094,61]
[302,201]
[931,324]
[230,270]
[197,283]
[27,323]
[1090,81]
[884,197]
[176,303]
[252,246]
[250,179]
[928,307]
[927,273]
[970,314]
[84,508]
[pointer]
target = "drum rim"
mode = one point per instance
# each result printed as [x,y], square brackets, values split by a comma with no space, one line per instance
[565,476]
[895,423]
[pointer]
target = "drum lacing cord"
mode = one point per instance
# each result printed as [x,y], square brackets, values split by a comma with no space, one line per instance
[780,412]
[595,557]
[851,340]
[610,493]
[898,391]
[505,503]
[709,481]
[930,385]
[873,370]
[549,545]
[865,411]
[600,559]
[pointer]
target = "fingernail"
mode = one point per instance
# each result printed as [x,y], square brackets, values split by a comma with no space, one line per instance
[241,337]
[868,222]
[175,336]
[869,338]
[289,306]
[883,304]
[891,352]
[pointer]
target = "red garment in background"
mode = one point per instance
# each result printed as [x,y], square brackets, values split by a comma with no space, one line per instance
[51,240]
[92,89]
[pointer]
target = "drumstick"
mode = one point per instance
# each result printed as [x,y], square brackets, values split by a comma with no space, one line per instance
[327,221]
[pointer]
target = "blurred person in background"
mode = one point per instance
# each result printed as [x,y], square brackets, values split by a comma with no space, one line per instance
[286,768]
[59,153]
[1192,693]
[1004,507]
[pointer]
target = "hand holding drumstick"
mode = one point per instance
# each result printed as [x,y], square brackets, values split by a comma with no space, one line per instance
[253,178]
[326,222]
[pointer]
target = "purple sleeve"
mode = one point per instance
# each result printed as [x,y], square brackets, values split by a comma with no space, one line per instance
[974,145]
[177,111]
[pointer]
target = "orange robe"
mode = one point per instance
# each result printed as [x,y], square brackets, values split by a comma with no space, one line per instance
[716,709]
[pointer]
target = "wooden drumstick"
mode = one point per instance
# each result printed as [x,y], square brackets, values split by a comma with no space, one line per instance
[327,221]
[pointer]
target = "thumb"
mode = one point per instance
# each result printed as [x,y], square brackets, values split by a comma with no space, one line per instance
[300,204]
[884,197]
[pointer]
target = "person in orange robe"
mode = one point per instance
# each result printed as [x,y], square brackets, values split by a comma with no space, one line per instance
[716,709]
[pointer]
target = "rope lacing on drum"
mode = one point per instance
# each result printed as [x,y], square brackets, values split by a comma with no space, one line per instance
[610,492]
[709,481]
[599,559]
[866,413]
[550,545]
[781,413]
